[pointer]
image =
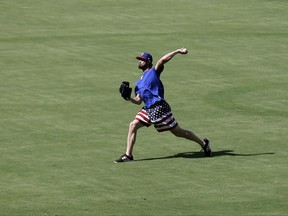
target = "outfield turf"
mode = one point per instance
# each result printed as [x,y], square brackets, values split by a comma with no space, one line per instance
[63,122]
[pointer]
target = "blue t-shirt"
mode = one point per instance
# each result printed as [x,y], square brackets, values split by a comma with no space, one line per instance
[150,87]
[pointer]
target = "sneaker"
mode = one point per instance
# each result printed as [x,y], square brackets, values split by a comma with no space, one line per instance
[124,158]
[207,148]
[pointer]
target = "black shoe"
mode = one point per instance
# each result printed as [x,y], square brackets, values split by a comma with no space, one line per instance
[207,148]
[124,158]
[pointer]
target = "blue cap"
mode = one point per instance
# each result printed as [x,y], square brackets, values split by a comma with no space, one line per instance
[145,57]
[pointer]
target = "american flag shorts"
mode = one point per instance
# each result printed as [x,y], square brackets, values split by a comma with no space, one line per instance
[159,114]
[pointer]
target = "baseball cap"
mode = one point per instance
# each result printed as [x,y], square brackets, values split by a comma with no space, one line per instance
[145,56]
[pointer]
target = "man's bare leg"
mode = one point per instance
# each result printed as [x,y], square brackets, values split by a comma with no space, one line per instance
[132,133]
[179,132]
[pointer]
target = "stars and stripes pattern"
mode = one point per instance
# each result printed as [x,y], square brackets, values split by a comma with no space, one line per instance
[159,115]
[143,117]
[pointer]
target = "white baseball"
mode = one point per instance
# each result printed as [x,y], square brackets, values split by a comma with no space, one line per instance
[184,51]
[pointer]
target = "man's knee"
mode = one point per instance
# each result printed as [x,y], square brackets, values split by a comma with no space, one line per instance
[134,125]
[179,132]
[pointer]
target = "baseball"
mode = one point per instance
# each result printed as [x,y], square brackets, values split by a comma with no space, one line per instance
[184,51]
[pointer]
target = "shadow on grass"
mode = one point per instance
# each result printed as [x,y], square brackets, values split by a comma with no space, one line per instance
[192,155]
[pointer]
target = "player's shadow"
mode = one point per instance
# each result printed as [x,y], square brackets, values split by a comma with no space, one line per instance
[191,155]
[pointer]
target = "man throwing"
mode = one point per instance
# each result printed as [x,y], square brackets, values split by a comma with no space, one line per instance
[150,90]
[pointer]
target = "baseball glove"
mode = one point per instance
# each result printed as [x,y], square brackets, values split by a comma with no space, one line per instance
[125,90]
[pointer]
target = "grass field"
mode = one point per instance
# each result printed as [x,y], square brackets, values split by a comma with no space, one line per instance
[63,121]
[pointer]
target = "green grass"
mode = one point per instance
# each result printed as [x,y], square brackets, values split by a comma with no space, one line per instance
[63,121]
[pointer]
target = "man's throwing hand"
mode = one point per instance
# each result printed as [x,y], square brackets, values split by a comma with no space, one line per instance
[183,51]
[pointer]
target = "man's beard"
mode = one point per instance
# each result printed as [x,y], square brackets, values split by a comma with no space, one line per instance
[143,67]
